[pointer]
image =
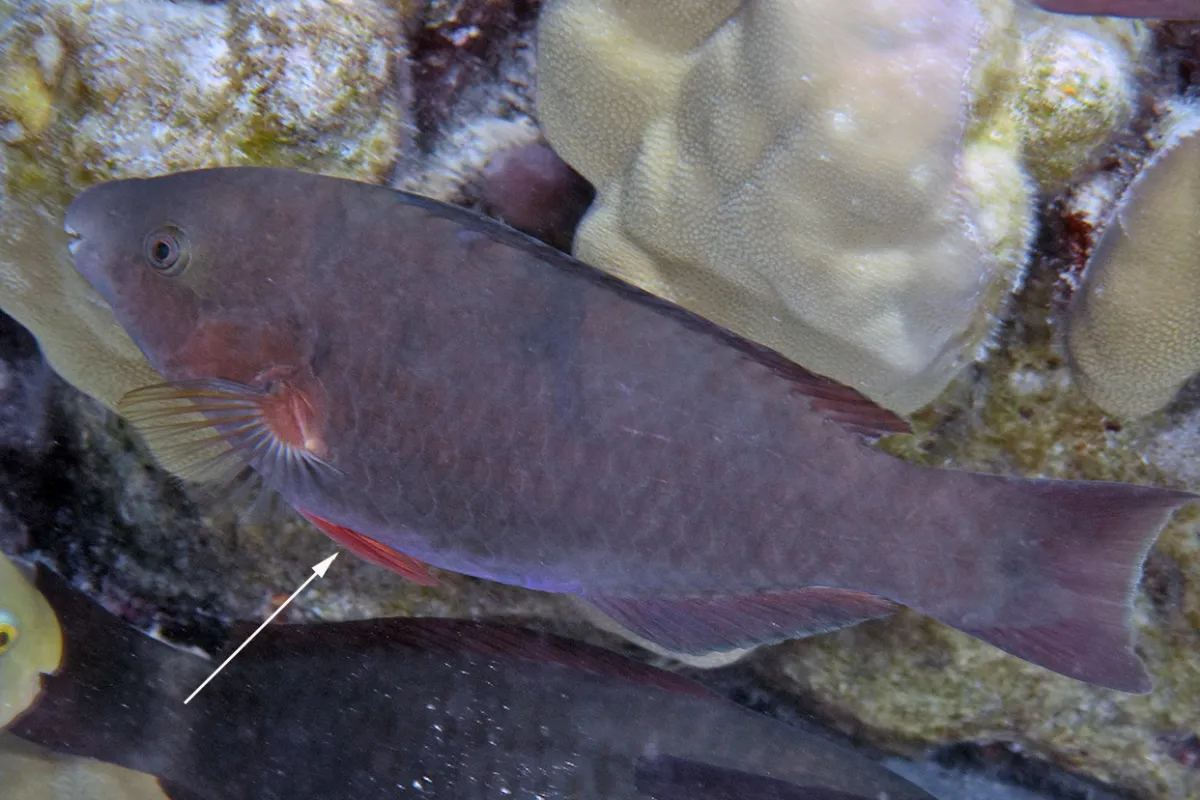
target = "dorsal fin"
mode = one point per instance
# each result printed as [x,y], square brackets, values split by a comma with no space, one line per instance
[836,401]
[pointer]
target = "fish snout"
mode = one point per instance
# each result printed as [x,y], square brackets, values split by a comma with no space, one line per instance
[86,262]
[74,237]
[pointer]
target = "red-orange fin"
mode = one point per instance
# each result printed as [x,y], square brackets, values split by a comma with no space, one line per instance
[209,429]
[711,623]
[377,553]
[847,407]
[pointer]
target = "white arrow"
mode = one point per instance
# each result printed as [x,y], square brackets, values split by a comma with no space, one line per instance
[318,572]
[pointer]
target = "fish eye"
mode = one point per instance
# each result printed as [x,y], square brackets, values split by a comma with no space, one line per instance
[166,250]
[8,636]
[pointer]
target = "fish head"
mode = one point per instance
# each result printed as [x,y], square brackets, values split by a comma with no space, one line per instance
[195,266]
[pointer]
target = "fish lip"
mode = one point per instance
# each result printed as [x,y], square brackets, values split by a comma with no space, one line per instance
[74,238]
[82,260]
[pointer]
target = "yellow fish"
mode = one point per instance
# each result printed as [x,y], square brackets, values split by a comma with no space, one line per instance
[30,641]
[31,644]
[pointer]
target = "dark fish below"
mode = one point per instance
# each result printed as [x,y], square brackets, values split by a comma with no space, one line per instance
[430,386]
[440,709]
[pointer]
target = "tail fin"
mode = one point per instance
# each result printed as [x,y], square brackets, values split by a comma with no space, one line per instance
[1075,567]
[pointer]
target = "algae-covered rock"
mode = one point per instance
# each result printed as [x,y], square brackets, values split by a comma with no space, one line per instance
[1077,91]
[141,87]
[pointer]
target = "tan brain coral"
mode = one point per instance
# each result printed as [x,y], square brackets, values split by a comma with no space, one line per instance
[792,170]
[1134,328]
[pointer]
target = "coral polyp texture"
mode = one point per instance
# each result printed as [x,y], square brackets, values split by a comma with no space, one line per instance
[794,171]
[1134,329]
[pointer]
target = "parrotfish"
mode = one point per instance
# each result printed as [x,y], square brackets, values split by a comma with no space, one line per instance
[432,387]
[424,708]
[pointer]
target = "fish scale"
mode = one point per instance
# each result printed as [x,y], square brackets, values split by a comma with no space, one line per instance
[464,396]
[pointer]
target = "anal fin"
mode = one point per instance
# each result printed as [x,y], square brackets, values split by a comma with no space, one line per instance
[377,553]
[704,624]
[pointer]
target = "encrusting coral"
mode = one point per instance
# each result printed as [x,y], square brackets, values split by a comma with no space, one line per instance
[1077,91]
[858,202]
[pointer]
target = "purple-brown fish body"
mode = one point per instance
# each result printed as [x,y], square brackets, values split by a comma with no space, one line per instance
[1143,9]
[429,379]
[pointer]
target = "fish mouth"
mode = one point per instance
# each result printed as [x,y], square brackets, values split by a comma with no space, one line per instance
[85,262]
[74,238]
